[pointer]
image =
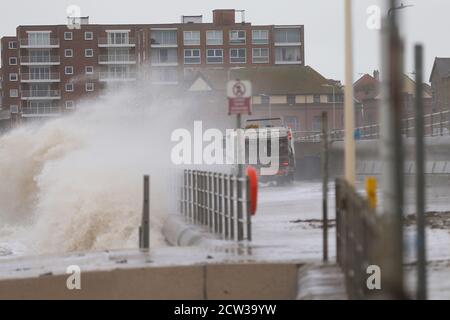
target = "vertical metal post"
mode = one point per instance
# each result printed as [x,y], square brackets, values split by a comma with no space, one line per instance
[392,156]
[420,180]
[144,231]
[349,112]
[441,122]
[325,184]
[239,177]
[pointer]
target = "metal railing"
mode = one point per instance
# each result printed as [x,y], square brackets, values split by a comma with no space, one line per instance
[47,43]
[40,77]
[41,111]
[358,235]
[40,59]
[108,42]
[27,94]
[116,76]
[117,59]
[436,124]
[217,202]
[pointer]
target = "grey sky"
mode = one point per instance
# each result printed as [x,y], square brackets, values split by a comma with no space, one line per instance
[427,22]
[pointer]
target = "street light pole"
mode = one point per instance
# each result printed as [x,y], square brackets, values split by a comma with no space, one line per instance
[349,114]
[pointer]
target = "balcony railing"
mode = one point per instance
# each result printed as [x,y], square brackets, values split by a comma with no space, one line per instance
[114,76]
[40,94]
[107,42]
[116,59]
[39,60]
[33,77]
[41,112]
[48,43]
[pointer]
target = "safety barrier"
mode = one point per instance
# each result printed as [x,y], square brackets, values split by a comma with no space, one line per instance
[220,203]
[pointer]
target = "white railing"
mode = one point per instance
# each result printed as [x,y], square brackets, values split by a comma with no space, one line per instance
[116,59]
[40,111]
[40,77]
[107,42]
[115,76]
[29,94]
[436,124]
[39,59]
[49,43]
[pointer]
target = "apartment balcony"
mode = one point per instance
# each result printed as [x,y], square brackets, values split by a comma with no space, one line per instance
[40,60]
[108,43]
[117,59]
[45,44]
[114,76]
[35,112]
[41,95]
[37,78]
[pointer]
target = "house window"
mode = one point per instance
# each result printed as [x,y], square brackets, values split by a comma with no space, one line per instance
[164,56]
[13,61]
[292,123]
[164,37]
[260,55]
[70,104]
[68,70]
[192,56]
[39,39]
[291,99]
[192,38]
[316,98]
[89,86]
[214,38]
[238,55]
[88,35]
[88,53]
[89,70]
[69,87]
[317,124]
[287,55]
[237,37]
[214,56]
[287,36]
[13,77]
[14,108]
[12,45]
[260,36]
[68,53]
[265,100]
[14,93]
[68,36]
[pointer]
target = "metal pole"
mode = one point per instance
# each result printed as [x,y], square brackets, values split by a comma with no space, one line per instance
[239,178]
[325,184]
[349,106]
[334,108]
[391,251]
[420,180]
[144,230]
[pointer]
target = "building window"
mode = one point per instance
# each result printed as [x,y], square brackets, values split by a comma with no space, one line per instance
[237,37]
[164,56]
[214,56]
[214,37]
[192,56]
[40,39]
[164,37]
[287,36]
[88,53]
[317,124]
[69,87]
[12,45]
[14,108]
[89,70]
[13,77]
[265,100]
[165,75]
[118,37]
[292,123]
[68,36]
[260,55]
[238,55]
[14,93]
[291,99]
[316,98]
[70,104]
[13,61]
[287,55]
[89,87]
[88,35]
[260,36]
[68,53]
[68,70]
[191,38]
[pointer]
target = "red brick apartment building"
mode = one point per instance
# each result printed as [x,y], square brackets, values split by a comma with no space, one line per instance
[46,69]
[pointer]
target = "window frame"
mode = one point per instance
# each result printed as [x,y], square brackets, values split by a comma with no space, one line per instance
[12,45]
[16,95]
[86,70]
[86,51]
[70,102]
[69,73]
[69,84]
[16,77]
[239,40]
[238,49]
[68,50]
[68,38]
[192,32]
[86,38]
[266,41]
[89,84]
[13,64]
[208,56]
[192,56]
[209,39]
[260,56]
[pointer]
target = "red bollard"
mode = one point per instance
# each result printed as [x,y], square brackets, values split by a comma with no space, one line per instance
[253,189]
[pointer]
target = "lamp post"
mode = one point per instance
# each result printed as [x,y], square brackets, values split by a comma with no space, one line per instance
[334,103]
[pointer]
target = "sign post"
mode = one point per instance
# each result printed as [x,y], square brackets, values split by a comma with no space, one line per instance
[239,102]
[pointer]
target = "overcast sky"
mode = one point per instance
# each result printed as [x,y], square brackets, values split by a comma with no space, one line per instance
[427,22]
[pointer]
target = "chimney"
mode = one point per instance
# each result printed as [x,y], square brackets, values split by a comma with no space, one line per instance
[376,75]
[224,17]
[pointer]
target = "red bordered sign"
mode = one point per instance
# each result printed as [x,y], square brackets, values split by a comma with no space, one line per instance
[239,97]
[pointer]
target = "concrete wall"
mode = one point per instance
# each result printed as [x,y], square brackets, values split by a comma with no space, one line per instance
[221,281]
